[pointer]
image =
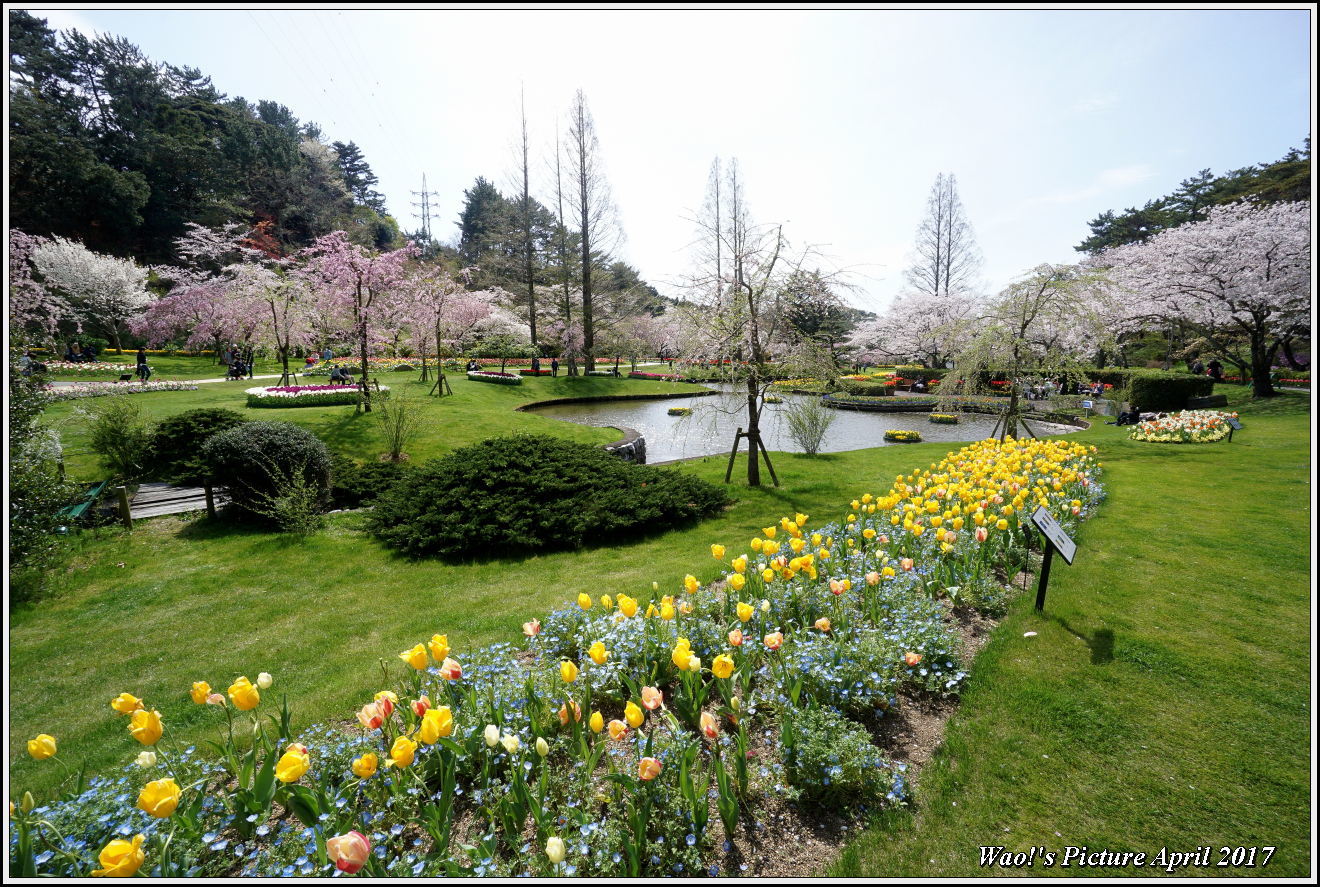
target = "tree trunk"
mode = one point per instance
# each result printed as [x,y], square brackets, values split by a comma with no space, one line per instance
[753,435]
[1288,354]
[1262,359]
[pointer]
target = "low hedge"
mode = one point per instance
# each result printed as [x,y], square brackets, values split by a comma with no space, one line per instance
[533,493]
[255,461]
[354,484]
[865,389]
[176,443]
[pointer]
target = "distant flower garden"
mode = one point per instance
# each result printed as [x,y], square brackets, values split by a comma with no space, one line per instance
[101,389]
[897,435]
[943,418]
[1189,426]
[626,738]
[680,411]
[305,395]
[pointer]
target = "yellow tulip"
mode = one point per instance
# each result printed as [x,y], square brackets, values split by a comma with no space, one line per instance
[120,858]
[416,657]
[618,729]
[769,532]
[200,690]
[293,764]
[365,766]
[598,653]
[145,726]
[627,606]
[767,575]
[737,581]
[691,584]
[568,671]
[597,722]
[436,723]
[42,747]
[159,798]
[717,552]
[606,601]
[722,666]
[402,752]
[126,703]
[440,646]
[745,611]
[633,715]
[800,519]
[244,696]
[739,564]
[1002,524]
[756,544]
[584,601]
[666,611]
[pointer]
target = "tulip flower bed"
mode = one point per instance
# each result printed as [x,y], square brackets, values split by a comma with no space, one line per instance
[622,738]
[1188,426]
[531,372]
[101,389]
[378,364]
[88,369]
[494,377]
[680,411]
[943,418]
[306,395]
[895,435]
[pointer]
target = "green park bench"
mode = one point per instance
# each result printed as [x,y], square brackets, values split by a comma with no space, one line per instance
[79,510]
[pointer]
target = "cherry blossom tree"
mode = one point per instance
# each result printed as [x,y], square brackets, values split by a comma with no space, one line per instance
[1240,280]
[356,284]
[200,305]
[34,309]
[105,290]
[442,312]
[917,326]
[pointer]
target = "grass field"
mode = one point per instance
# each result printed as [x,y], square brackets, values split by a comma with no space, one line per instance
[1163,702]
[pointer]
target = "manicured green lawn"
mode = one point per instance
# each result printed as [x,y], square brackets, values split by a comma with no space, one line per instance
[165,367]
[1164,701]
[475,411]
[1168,683]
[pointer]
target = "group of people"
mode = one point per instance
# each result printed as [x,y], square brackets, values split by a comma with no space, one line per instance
[1214,369]
[76,353]
[239,360]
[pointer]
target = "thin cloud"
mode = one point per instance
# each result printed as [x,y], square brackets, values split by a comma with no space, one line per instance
[1113,179]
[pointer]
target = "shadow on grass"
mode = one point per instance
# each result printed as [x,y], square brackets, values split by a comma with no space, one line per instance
[1101,643]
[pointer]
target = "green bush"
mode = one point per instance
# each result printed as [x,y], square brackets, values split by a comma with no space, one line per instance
[354,484]
[258,464]
[531,493]
[121,436]
[37,492]
[176,445]
[833,761]
[1154,390]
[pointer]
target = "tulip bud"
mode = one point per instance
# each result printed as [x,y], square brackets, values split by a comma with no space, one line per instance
[492,735]
[146,759]
[542,747]
[264,680]
[29,802]
[555,850]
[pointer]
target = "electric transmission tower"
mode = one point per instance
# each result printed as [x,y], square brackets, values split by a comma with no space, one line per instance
[427,213]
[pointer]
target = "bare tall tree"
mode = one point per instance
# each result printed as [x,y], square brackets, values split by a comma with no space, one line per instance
[525,223]
[592,210]
[947,259]
[565,263]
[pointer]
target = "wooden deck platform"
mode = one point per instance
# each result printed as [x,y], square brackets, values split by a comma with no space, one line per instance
[155,499]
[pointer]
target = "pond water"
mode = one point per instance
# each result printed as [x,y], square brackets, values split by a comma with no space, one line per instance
[709,430]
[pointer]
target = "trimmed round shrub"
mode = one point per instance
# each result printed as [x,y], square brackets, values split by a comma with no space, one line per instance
[257,463]
[866,389]
[532,493]
[354,484]
[176,444]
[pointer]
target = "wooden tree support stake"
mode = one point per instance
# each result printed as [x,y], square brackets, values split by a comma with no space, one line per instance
[125,512]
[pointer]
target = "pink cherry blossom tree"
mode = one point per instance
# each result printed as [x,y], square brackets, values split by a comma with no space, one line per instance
[357,285]
[34,309]
[1240,279]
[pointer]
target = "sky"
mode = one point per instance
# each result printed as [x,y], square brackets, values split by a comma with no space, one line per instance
[840,120]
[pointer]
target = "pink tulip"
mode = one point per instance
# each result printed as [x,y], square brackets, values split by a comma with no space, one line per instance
[349,851]
[652,698]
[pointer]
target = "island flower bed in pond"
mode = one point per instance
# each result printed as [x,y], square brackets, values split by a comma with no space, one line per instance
[1188,426]
[101,389]
[496,378]
[624,737]
[306,395]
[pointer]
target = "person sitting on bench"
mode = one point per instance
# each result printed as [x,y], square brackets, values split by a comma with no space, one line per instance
[341,376]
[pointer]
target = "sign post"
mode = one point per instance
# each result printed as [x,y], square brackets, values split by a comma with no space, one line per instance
[1233,425]
[1055,540]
